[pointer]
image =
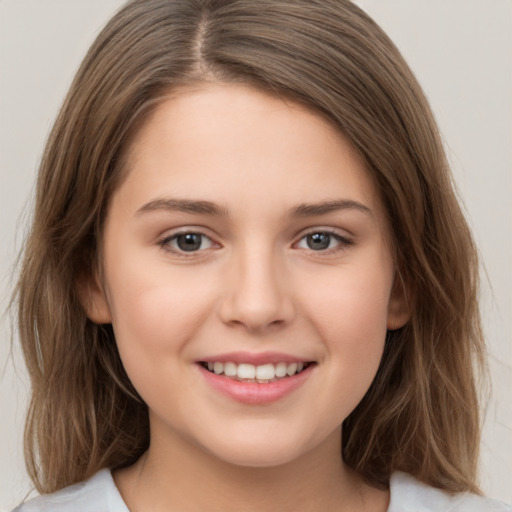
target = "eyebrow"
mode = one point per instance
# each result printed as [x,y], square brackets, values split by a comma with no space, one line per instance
[184,205]
[323,208]
[199,207]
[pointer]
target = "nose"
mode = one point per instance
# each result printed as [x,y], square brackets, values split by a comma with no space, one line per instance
[257,295]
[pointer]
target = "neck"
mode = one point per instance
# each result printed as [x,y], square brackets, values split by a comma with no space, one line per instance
[181,476]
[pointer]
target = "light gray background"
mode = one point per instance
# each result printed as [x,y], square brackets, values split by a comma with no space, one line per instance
[461,51]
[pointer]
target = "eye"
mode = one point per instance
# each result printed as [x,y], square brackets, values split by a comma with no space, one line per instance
[187,242]
[322,241]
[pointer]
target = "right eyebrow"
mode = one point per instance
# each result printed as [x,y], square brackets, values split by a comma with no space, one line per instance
[184,205]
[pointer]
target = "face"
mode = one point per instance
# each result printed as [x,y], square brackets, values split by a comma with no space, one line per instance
[247,275]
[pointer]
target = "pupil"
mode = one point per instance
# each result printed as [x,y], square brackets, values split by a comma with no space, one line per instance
[189,242]
[318,241]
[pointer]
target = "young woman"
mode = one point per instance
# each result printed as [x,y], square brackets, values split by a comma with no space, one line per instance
[249,285]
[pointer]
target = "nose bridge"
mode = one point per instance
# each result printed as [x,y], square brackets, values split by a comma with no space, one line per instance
[257,295]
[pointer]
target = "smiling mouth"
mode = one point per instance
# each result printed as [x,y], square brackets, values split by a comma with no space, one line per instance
[261,374]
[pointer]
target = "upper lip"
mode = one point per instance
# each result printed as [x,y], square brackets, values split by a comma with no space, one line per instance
[255,359]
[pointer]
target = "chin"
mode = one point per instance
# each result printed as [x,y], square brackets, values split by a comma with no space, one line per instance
[258,459]
[265,451]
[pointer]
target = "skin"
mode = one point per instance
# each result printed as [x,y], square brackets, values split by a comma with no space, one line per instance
[254,285]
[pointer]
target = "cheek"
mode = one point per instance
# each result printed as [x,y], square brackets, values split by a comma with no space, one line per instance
[155,311]
[353,299]
[348,309]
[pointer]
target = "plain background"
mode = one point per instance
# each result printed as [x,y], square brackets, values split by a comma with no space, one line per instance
[461,52]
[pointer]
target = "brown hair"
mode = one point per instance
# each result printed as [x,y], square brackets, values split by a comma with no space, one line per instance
[420,415]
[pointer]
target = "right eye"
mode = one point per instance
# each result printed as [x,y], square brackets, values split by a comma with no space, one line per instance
[187,242]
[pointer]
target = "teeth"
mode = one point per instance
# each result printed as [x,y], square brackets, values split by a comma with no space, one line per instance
[265,372]
[280,369]
[291,369]
[246,371]
[230,369]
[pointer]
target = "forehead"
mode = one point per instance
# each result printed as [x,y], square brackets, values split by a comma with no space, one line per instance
[225,142]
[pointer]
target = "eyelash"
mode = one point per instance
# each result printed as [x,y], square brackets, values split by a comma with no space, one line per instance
[342,242]
[166,242]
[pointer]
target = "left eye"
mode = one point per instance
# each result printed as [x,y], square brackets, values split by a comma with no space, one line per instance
[188,242]
[319,241]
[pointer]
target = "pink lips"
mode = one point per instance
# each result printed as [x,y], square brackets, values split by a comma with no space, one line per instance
[255,359]
[255,393]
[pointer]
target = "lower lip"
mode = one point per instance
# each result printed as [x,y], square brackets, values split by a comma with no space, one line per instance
[255,393]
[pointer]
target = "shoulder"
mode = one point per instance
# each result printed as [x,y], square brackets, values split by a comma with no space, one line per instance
[99,493]
[408,494]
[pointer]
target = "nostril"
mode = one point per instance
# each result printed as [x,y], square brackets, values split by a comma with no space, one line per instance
[257,301]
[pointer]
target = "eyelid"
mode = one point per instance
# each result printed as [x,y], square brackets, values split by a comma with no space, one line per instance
[164,241]
[344,240]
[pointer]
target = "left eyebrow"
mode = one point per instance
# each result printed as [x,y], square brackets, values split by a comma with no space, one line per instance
[310,210]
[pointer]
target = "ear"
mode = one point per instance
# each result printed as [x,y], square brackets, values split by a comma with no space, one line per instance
[399,306]
[93,299]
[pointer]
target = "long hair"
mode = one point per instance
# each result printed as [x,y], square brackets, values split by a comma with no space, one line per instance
[420,414]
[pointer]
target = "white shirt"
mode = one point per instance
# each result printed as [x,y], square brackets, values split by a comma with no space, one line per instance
[100,494]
